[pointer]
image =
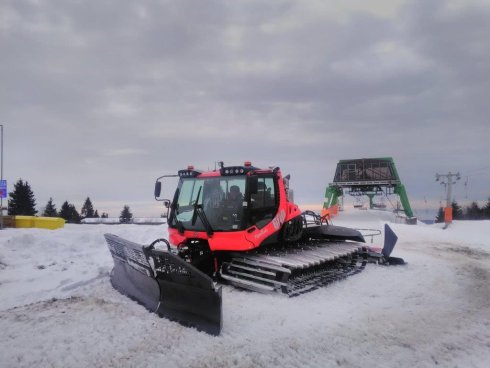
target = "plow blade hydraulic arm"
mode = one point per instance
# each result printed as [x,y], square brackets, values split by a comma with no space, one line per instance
[166,284]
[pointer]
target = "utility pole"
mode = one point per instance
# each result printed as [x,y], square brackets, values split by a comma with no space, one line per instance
[447,180]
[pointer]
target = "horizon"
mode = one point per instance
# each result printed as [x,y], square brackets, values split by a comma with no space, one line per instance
[423,209]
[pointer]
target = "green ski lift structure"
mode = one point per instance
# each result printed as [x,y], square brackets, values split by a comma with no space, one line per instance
[367,177]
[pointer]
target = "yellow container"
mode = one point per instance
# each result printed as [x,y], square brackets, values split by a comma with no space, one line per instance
[51,223]
[24,221]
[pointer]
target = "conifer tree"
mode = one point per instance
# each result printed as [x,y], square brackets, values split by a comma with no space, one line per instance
[126,215]
[440,215]
[75,216]
[104,215]
[22,201]
[50,209]
[96,214]
[87,209]
[457,211]
[69,213]
[65,211]
[486,210]
[473,212]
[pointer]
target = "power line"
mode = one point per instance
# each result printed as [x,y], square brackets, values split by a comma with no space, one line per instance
[471,173]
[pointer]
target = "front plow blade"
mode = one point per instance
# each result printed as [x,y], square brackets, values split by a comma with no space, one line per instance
[166,284]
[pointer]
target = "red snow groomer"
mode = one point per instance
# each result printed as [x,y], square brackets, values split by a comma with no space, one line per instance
[237,225]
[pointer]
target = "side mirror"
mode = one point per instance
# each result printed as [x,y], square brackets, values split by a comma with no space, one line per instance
[253,184]
[158,189]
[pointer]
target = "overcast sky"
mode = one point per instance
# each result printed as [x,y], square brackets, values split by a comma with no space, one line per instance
[98,98]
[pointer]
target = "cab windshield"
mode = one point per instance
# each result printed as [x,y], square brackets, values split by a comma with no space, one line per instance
[225,203]
[221,198]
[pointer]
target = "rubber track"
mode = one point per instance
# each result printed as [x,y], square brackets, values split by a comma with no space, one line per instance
[296,270]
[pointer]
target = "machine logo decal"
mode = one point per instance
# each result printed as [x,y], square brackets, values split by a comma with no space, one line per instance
[279,219]
[167,266]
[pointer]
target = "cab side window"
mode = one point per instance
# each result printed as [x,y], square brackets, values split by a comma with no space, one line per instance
[265,196]
[263,203]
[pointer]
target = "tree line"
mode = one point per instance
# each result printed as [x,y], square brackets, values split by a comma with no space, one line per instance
[471,212]
[22,202]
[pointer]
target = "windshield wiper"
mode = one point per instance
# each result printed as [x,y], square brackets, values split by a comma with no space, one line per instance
[198,211]
[175,211]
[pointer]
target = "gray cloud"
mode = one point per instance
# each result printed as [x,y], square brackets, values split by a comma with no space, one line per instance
[100,98]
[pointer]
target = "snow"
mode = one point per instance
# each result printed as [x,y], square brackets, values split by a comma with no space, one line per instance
[116,220]
[58,309]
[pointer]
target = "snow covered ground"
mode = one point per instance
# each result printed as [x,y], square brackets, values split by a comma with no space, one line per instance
[58,309]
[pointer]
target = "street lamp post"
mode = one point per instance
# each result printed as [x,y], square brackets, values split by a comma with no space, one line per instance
[1,178]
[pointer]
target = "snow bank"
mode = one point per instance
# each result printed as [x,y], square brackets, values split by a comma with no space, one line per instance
[116,220]
[37,264]
[58,308]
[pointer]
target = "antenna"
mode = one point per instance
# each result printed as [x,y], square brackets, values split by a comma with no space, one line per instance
[219,163]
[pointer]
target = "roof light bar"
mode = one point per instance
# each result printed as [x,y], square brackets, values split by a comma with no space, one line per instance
[189,172]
